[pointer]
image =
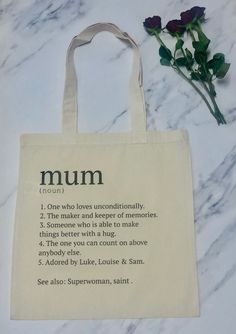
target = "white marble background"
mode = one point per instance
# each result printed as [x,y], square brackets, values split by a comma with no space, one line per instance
[34,35]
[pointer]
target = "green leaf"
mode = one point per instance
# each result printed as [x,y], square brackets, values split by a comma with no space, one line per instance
[165,62]
[199,46]
[188,54]
[203,39]
[194,76]
[211,64]
[165,53]
[200,57]
[219,56]
[182,61]
[220,74]
[204,74]
[179,44]
[216,62]
[190,60]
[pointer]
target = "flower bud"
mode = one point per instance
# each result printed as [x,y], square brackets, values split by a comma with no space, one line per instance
[152,24]
[175,26]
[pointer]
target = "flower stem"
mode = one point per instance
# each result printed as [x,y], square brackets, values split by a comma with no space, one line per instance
[181,73]
[160,40]
[217,109]
[197,27]
[191,33]
[216,114]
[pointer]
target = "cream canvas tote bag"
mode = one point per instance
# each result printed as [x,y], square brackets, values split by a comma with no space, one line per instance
[104,222]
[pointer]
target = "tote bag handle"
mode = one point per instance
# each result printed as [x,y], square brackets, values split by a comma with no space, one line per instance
[136,96]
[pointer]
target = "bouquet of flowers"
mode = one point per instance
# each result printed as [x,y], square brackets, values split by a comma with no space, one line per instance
[193,65]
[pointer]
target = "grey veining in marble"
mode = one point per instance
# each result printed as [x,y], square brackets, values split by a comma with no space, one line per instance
[34,35]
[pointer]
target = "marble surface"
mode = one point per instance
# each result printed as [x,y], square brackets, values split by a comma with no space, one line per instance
[34,36]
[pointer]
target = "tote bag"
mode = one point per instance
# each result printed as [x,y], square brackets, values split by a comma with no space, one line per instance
[104,221]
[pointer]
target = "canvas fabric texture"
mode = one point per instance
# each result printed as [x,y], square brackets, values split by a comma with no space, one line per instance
[104,223]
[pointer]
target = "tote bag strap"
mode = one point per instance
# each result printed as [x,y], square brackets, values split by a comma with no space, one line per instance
[136,96]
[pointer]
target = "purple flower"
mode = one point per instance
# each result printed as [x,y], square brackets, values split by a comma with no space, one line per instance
[175,26]
[198,12]
[152,24]
[190,15]
[186,17]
